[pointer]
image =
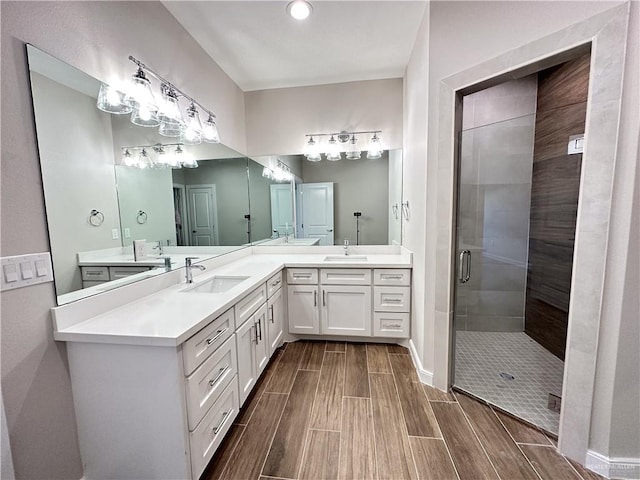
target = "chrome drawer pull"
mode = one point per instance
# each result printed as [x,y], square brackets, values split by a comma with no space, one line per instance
[272,319]
[276,283]
[94,273]
[225,415]
[220,374]
[392,300]
[218,333]
[393,326]
[392,277]
[301,275]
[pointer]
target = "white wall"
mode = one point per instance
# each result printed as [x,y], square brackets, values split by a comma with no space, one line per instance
[96,37]
[277,120]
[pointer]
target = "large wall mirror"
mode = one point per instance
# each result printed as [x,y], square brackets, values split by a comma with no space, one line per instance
[97,207]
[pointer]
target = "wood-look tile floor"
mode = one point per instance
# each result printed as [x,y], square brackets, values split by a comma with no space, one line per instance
[327,410]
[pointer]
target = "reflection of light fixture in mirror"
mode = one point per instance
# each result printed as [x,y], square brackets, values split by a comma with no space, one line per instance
[157,156]
[375,148]
[144,159]
[128,160]
[333,150]
[210,130]
[299,9]
[162,159]
[280,173]
[353,152]
[112,100]
[192,132]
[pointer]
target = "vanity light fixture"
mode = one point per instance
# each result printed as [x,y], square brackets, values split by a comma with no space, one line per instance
[280,173]
[159,110]
[342,142]
[157,156]
[299,9]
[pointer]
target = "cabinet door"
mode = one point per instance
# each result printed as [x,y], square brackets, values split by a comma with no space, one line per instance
[245,346]
[275,321]
[262,343]
[346,310]
[302,301]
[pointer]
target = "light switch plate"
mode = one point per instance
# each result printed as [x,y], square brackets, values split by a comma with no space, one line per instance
[576,144]
[24,270]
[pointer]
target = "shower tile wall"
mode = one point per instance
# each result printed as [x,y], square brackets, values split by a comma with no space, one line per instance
[495,194]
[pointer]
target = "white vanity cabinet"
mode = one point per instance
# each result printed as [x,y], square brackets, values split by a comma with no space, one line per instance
[392,302]
[95,275]
[346,302]
[302,300]
[275,313]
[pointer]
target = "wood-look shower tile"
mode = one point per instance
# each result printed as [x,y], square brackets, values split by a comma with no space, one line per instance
[327,409]
[286,450]
[393,452]
[398,349]
[417,412]
[357,449]
[336,347]
[254,397]
[222,455]
[521,432]
[322,456]
[505,455]
[432,459]
[436,395]
[549,464]
[564,84]
[378,358]
[468,456]
[252,448]
[285,372]
[312,356]
[357,380]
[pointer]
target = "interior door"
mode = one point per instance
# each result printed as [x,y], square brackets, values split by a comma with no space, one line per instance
[281,208]
[317,211]
[202,215]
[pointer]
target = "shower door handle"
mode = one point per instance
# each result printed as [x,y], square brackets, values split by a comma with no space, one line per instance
[464,266]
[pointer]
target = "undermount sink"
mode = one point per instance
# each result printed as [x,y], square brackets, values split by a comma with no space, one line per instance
[346,258]
[217,284]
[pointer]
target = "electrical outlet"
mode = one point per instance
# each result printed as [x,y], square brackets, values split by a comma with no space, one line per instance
[127,232]
[114,234]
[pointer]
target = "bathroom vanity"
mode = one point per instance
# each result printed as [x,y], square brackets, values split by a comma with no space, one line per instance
[161,368]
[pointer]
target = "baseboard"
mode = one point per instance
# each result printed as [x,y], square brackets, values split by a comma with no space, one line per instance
[623,468]
[424,375]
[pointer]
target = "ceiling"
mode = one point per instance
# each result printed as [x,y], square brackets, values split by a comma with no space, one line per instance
[261,47]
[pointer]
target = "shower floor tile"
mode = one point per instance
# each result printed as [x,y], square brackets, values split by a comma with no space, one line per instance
[482,356]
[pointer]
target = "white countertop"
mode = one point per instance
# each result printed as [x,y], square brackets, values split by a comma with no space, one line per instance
[170,316]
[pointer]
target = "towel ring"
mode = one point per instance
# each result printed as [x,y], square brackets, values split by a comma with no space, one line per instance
[142,217]
[96,217]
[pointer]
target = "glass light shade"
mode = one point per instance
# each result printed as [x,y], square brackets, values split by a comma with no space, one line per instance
[210,131]
[128,160]
[312,149]
[184,159]
[314,157]
[139,91]
[144,159]
[375,148]
[353,152]
[112,100]
[267,173]
[192,132]
[170,129]
[333,150]
[144,117]
[169,108]
[190,163]
[162,159]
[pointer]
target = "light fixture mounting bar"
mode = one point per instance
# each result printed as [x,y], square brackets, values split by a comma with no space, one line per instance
[138,147]
[341,133]
[167,82]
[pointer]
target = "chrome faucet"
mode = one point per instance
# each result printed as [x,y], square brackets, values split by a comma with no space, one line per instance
[188,266]
[346,246]
[159,247]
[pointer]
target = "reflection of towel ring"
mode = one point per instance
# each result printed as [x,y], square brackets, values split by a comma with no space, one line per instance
[394,208]
[405,209]
[142,217]
[96,218]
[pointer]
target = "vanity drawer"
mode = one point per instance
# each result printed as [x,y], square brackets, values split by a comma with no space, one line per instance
[208,435]
[302,276]
[345,276]
[209,380]
[274,283]
[391,299]
[95,273]
[121,272]
[391,324]
[249,304]
[89,283]
[392,276]
[204,343]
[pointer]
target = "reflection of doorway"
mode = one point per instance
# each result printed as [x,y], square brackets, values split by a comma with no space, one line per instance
[316,207]
[180,212]
[281,208]
[202,215]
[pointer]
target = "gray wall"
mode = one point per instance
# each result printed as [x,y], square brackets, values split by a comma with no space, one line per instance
[260,200]
[77,175]
[97,37]
[232,197]
[358,186]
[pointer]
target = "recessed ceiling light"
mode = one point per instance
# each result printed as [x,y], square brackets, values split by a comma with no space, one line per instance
[299,9]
